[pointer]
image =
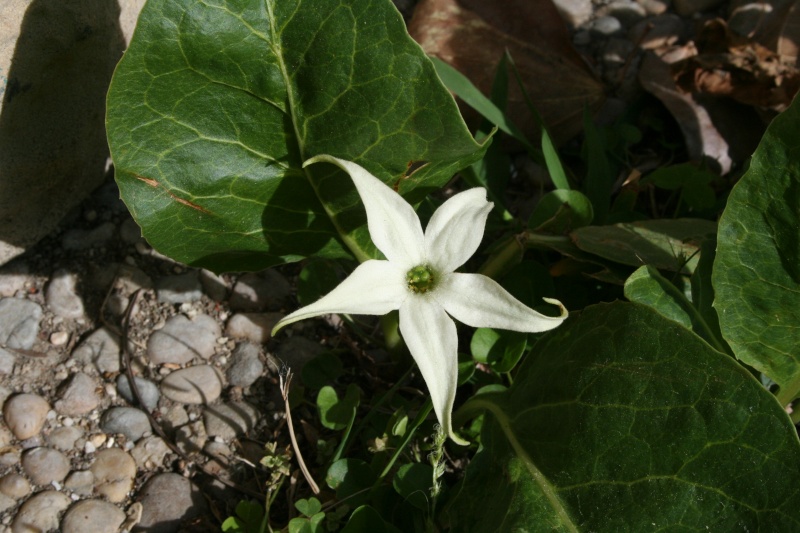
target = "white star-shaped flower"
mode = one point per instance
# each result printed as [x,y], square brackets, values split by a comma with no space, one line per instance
[418,277]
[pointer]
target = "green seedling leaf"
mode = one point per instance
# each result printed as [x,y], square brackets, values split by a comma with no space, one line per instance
[349,477]
[308,507]
[216,105]
[365,519]
[561,211]
[473,97]
[307,525]
[322,370]
[647,286]
[665,244]
[626,421]
[337,413]
[757,270]
[398,423]
[413,482]
[318,278]
[600,174]
[499,349]
[694,182]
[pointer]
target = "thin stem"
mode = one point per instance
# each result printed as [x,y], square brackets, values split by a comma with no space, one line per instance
[285,392]
[390,324]
[505,257]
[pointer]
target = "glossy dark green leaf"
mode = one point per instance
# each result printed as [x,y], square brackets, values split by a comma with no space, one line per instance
[323,370]
[365,519]
[499,349]
[703,289]
[216,105]
[350,476]
[665,244]
[647,286]
[318,278]
[337,413]
[413,482]
[623,420]
[757,270]
[561,211]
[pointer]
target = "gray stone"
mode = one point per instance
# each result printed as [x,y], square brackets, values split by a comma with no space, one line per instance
[255,327]
[175,417]
[114,471]
[19,322]
[574,12]
[101,349]
[148,391]
[267,290]
[605,26]
[92,516]
[230,420]
[81,239]
[183,288]
[55,75]
[62,296]
[195,385]
[40,513]
[6,502]
[297,351]
[14,486]
[149,452]
[167,500]
[191,438]
[214,285]
[129,421]
[129,231]
[246,367]
[7,361]
[181,340]
[13,276]
[77,396]
[25,414]
[64,438]
[627,12]
[45,465]
[80,482]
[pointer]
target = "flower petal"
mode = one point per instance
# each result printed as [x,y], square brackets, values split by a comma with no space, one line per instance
[432,340]
[374,288]
[481,302]
[393,225]
[456,229]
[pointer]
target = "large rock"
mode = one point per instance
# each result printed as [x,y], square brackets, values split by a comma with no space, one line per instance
[56,61]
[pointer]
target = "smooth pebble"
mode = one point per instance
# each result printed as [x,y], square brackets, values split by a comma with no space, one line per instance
[167,500]
[149,452]
[92,516]
[148,391]
[64,438]
[25,414]
[183,288]
[196,385]
[80,482]
[62,296]
[45,465]
[7,361]
[229,420]
[15,486]
[113,471]
[77,395]
[267,290]
[246,367]
[129,421]
[40,513]
[255,327]
[19,323]
[101,349]
[181,340]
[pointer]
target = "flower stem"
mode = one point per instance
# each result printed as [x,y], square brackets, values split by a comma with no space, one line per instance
[504,257]
[390,324]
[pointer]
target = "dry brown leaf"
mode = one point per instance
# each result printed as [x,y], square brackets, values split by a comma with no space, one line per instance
[473,35]
[730,65]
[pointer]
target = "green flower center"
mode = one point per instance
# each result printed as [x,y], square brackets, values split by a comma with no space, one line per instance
[420,279]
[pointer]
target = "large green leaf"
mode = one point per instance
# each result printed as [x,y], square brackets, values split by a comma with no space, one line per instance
[217,103]
[757,269]
[623,420]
